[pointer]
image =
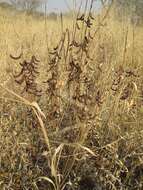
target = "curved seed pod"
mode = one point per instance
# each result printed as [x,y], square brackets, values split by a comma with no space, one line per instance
[89,24]
[90,16]
[20,81]
[81,18]
[90,36]
[53,53]
[16,58]
[77,26]
[34,59]
[18,75]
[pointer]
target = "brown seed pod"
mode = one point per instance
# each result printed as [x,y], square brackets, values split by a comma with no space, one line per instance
[16,57]
[81,18]
[88,23]
[90,16]
[77,26]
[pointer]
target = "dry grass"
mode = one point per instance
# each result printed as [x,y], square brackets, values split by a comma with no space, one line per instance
[84,131]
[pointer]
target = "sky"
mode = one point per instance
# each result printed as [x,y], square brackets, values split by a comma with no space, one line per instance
[64,5]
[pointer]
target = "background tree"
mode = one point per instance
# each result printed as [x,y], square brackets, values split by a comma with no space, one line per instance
[133,9]
[28,5]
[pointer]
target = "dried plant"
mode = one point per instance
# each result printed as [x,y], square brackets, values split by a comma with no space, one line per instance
[86,132]
[28,75]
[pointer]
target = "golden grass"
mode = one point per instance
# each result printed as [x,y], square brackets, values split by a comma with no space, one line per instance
[89,134]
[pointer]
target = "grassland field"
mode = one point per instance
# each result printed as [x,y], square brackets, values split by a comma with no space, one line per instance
[71,102]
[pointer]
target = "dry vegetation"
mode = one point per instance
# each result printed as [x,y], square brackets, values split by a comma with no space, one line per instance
[71,102]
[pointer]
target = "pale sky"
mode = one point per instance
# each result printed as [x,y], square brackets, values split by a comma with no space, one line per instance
[64,5]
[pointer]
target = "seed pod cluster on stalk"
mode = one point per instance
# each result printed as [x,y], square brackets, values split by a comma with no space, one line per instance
[80,59]
[28,75]
[52,90]
[121,76]
[70,58]
[53,64]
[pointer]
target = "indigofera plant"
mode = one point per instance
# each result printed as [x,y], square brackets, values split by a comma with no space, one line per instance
[121,76]
[28,75]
